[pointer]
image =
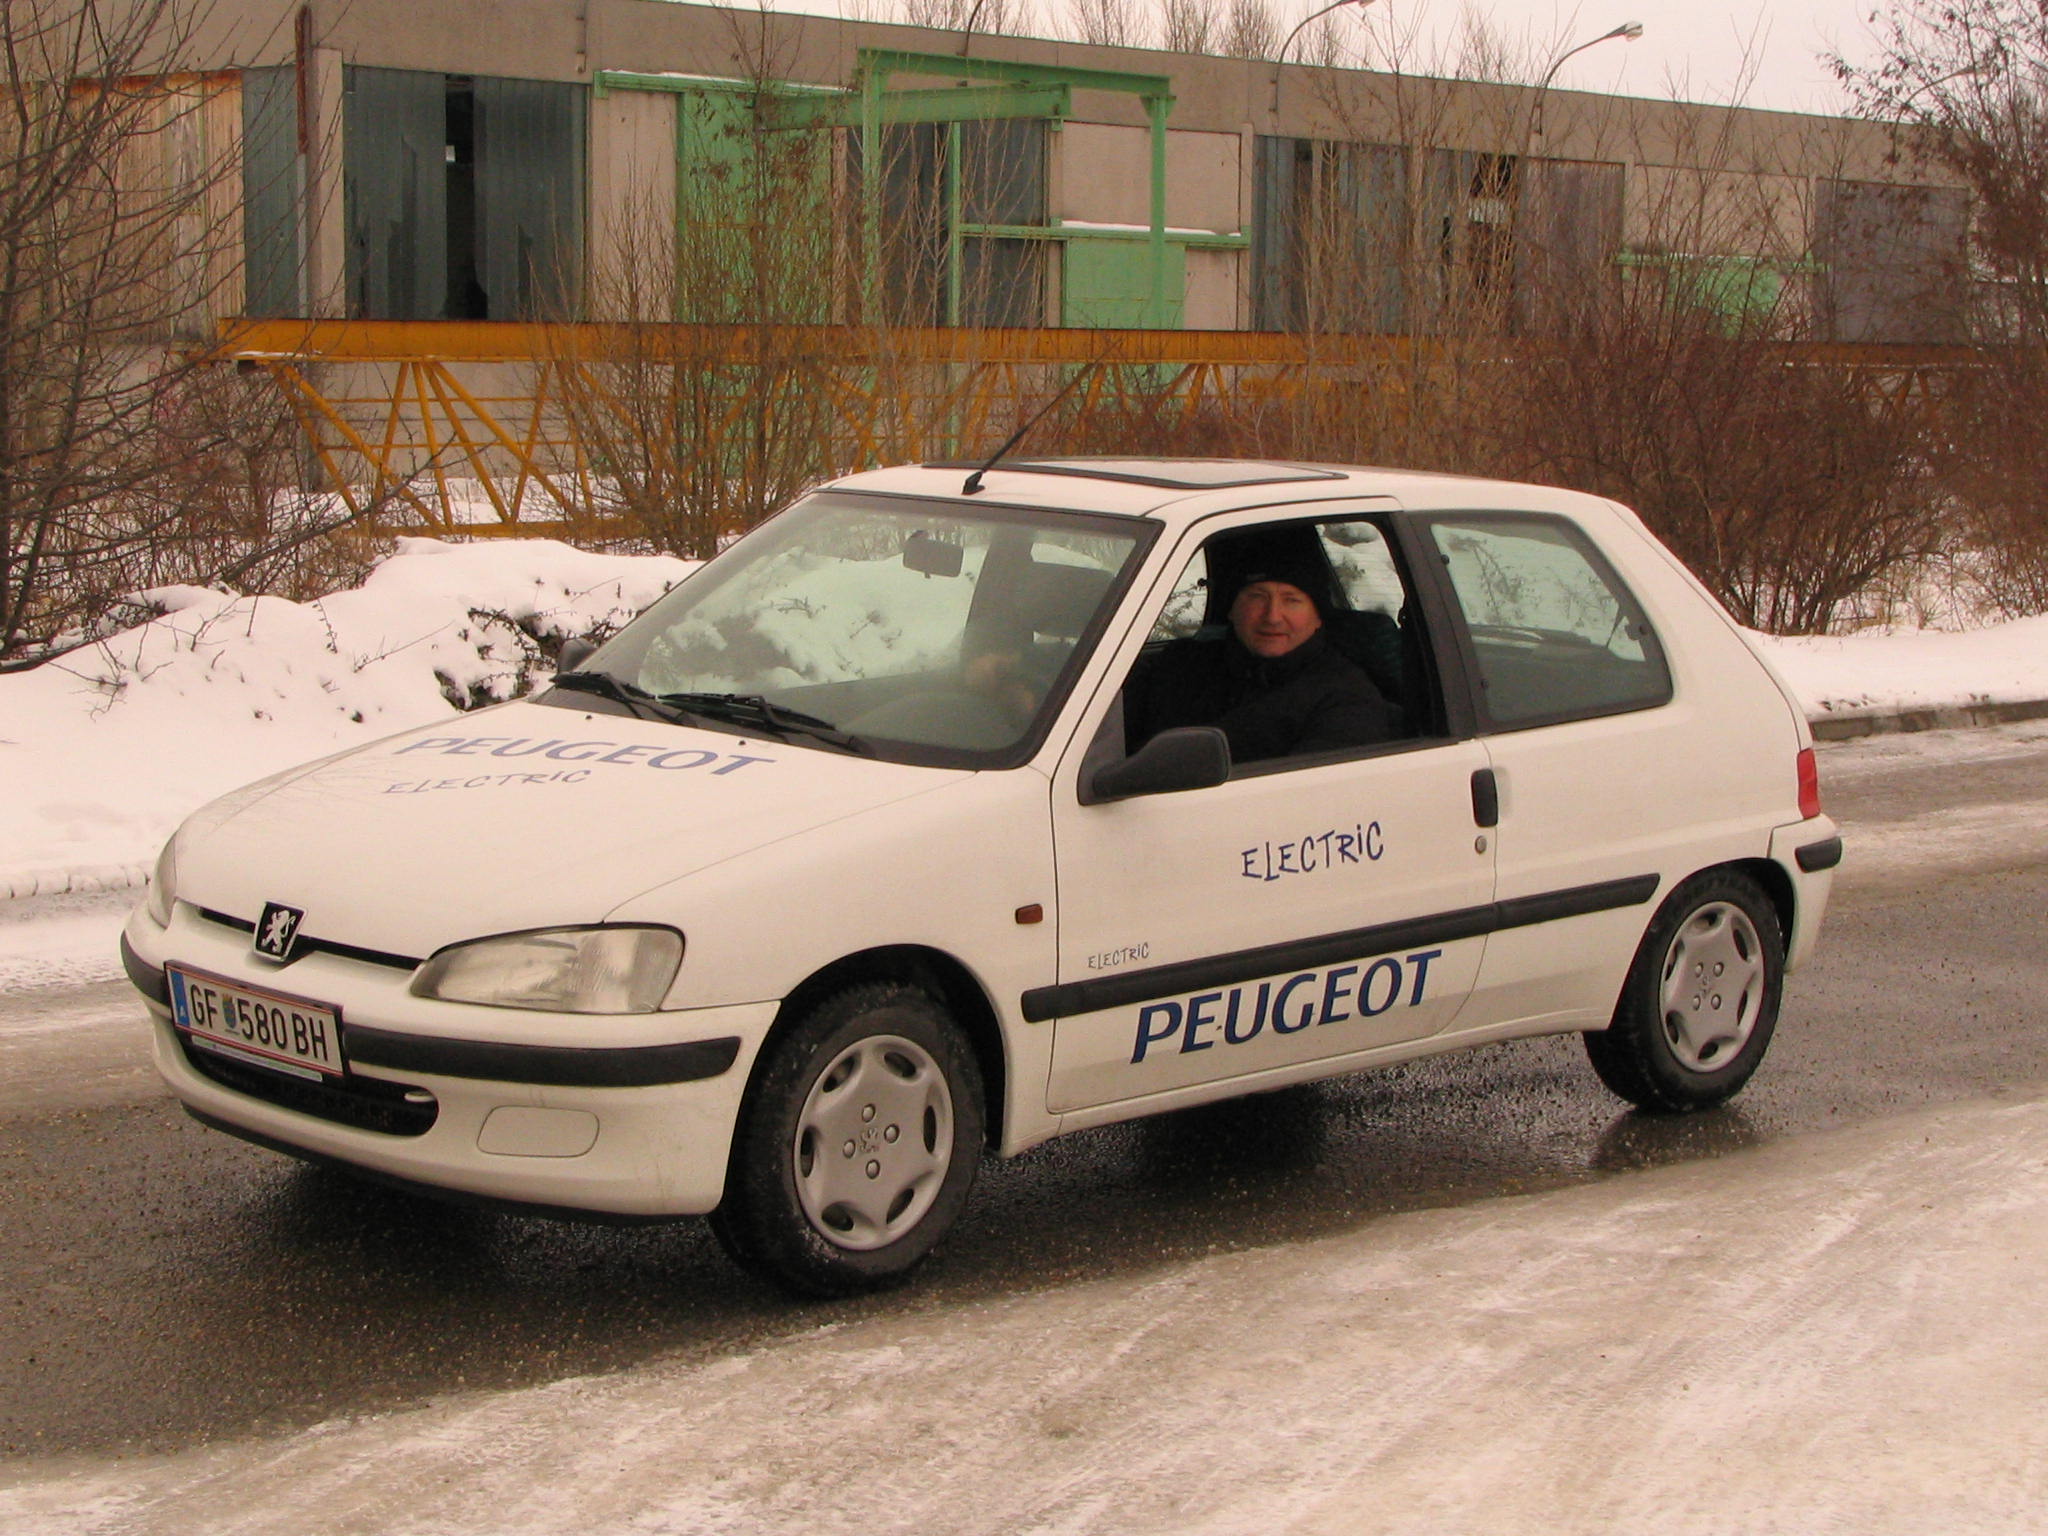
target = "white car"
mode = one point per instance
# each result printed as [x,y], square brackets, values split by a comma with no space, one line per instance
[836,869]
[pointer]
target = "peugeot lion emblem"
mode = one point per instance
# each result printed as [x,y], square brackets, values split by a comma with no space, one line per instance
[278,930]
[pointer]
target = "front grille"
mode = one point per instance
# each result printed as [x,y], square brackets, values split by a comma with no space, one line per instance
[365,1103]
[307,945]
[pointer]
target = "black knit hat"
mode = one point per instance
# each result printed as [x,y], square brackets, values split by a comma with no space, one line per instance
[1292,556]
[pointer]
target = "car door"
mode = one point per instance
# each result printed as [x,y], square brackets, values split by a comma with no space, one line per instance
[1270,927]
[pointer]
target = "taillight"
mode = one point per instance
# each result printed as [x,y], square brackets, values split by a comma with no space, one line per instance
[1809,785]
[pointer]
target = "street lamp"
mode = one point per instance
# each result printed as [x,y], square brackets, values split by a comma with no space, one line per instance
[1628,32]
[1280,59]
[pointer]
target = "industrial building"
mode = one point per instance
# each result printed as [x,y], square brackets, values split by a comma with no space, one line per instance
[433,186]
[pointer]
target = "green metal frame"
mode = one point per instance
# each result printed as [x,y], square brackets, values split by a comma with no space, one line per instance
[605,81]
[957,105]
[1011,90]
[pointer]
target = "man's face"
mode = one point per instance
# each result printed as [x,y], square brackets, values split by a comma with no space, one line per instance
[1271,618]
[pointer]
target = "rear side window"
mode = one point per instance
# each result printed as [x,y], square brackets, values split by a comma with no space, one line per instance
[1555,634]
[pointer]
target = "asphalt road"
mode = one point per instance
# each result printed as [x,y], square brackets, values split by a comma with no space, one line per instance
[165,1286]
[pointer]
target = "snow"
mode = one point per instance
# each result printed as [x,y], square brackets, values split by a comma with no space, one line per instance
[1915,669]
[1171,231]
[103,752]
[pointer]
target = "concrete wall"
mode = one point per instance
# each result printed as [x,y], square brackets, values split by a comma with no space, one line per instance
[1753,171]
[633,191]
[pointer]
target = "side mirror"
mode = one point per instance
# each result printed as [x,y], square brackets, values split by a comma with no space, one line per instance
[1187,757]
[573,654]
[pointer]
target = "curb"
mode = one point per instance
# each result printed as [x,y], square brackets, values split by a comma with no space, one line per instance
[1946,717]
[23,884]
[1828,727]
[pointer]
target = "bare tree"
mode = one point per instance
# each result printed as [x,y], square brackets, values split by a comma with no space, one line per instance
[705,402]
[1967,80]
[1251,30]
[990,16]
[1188,26]
[1109,23]
[127,458]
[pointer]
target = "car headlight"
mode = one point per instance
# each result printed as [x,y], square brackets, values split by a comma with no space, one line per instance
[163,884]
[562,970]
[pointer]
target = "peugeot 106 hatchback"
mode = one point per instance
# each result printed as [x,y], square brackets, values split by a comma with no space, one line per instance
[847,862]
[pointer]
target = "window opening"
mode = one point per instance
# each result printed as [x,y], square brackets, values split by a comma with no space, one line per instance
[273,181]
[1894,260]
[1195,669]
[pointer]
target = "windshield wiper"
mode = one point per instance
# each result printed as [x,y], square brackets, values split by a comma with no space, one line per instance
[752,709]
[644,704]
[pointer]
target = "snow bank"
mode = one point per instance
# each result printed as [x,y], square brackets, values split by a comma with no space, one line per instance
[1914,669]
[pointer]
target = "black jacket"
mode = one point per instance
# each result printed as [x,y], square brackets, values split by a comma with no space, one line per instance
[1310,700]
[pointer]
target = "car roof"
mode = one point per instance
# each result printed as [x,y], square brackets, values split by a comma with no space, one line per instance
[1176,490]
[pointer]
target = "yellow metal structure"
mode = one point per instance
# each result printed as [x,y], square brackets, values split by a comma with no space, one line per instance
[467,427]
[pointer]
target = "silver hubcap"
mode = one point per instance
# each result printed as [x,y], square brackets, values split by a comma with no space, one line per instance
[873,1142]
[1713,986]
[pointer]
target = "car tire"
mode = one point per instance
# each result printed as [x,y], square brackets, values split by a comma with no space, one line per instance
[857,1144]
[1700,1003]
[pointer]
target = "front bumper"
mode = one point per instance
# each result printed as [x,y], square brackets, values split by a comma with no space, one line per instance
[627,1116]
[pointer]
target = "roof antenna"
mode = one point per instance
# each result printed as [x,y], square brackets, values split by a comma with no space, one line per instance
[973,484]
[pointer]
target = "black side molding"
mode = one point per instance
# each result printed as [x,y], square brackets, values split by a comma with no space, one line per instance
[1077,997]
[147,979]
[1815,857]
[553,1066]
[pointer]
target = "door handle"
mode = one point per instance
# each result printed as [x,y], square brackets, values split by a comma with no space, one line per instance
[1485,798]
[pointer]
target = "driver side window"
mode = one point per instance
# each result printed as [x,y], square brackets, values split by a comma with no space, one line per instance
[1291,638]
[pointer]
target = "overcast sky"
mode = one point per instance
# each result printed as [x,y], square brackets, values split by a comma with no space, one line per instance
[1692,48]
[1689,48]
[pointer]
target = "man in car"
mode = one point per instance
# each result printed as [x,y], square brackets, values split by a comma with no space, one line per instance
[1274,684]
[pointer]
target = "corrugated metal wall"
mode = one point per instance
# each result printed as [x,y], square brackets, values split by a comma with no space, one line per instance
[529,196]
[1567,234]
[272,186]
[395,177]
[1331,237]
[1894,260]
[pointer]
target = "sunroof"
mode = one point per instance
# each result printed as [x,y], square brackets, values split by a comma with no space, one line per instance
[1174,474]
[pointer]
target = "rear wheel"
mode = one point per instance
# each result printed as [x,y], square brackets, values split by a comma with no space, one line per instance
[857,1145]
[1701,1000]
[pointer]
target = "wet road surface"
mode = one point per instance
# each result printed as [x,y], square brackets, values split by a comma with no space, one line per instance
[165,1285]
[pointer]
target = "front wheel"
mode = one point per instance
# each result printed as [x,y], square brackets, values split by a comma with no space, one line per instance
[1701,999]
[857,1145]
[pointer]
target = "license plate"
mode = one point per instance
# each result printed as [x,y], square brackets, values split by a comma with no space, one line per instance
[273,1029]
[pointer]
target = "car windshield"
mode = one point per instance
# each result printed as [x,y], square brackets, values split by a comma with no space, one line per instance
[917,631]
